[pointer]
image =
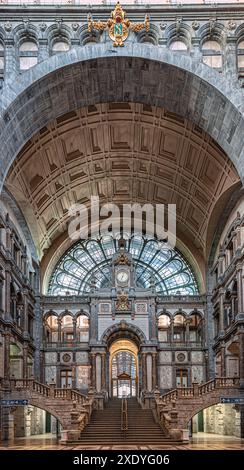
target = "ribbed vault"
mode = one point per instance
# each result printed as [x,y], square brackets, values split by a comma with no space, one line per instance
[123,152]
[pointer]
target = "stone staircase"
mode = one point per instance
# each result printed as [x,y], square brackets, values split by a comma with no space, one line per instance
[105,426]
[176,408]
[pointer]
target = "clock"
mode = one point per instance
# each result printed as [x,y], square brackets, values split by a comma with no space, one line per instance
[122,277]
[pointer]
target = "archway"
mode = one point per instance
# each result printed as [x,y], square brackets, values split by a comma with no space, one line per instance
[219,420]
[123,366]
[140,73]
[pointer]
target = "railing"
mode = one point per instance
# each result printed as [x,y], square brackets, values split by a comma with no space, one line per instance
[38,387]
[199,390]
[124,416]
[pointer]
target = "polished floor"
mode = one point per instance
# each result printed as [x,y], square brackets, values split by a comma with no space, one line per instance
[200,441]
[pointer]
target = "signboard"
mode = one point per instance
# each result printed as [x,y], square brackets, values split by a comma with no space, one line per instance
[14,402]
[236,400]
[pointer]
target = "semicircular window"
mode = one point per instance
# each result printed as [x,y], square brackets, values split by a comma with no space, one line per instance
[88,262]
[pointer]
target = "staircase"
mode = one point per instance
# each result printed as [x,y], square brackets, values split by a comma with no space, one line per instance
[105,426]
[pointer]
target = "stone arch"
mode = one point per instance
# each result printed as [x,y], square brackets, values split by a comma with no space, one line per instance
[58,33]
[150,36]
[197,408]
[49,314]
[179,312]
[22,33]
[36,402]
[66,313]
[196,312]
[212,31]
[82,312]
[164,312]
[179,32]
[127,330]
[137,72]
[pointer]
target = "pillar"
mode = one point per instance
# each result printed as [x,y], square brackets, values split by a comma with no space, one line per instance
[149,372]
[221,311]
[171,338]
[154,370]
[98,373]
[104,371]
[239,288]
[43,52]
[93,370]
[143,370]
[223,365]
[74,329]
[25,361]
[59,329]
[241,358]
[7,337]
[187,323]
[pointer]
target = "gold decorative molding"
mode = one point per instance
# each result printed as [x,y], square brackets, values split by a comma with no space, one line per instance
[123,302]
[118,25]
[122,259]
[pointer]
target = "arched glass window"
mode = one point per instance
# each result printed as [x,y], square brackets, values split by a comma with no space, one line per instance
[60,46]
[178,46]
[212,54]
[90,260]
[240,56]
[28,52]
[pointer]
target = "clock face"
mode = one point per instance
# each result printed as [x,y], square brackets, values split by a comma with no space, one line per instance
[122,277]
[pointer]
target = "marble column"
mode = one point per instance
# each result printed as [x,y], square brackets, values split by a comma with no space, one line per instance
[187,323]
[104,371]
[223,364]
[74,329]
[25,361]
[221,311]
[171,338]
[239,288]
[98,373]
[144,370]
[149,372]
[241,358]
[154,370]
[59,329]
[93,370]
[7,337]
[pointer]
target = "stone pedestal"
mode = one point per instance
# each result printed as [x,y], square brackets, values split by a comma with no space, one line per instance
[69,435]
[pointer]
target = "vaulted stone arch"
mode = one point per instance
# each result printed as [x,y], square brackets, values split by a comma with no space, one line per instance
[136,73]
[125,330]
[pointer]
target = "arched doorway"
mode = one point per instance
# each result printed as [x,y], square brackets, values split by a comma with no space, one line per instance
[123,369]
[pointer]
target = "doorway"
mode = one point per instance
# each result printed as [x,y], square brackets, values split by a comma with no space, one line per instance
[123,369]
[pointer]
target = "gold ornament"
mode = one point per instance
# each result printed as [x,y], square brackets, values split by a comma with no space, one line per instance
[123,302]
[122,259]
[118,25]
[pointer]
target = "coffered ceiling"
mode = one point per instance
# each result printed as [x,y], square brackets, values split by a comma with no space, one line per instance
[123,152]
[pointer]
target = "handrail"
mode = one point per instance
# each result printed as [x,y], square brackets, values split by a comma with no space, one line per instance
[124,416]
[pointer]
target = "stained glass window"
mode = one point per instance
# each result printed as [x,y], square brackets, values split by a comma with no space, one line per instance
[88,262]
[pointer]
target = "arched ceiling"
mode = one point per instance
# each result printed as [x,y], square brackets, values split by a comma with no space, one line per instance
[123,152]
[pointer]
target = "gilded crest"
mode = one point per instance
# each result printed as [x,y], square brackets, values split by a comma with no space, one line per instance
[122,259]
[118,25]
[123,302]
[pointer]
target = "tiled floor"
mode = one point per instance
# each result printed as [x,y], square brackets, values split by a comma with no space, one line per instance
[200,442]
